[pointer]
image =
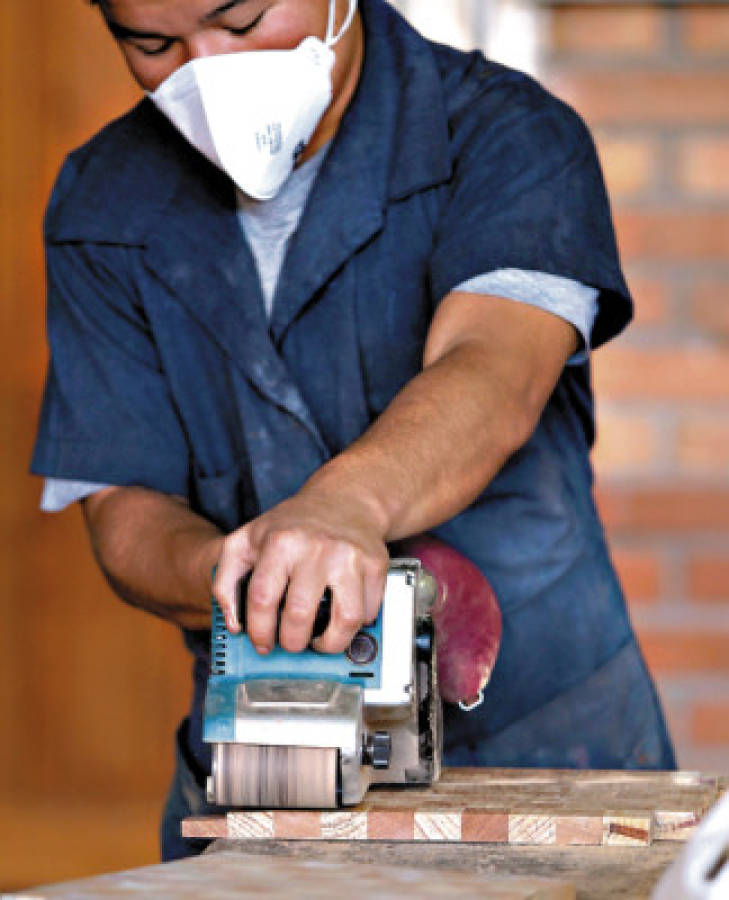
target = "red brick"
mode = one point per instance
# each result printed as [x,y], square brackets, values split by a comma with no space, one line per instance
[685,651]
[674,235]
[632,30]
[630,164]
[702,442]
[651,299]
[625,442]
[708,577]
[710,723]
[672,374]
[644,98]
[710,305]
[706,28]
[639,573]
[664,510]
[703,166]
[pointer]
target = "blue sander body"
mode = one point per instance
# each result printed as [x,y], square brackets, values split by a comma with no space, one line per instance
[314,730]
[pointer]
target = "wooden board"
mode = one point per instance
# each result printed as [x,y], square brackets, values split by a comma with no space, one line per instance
[598,873]
[229,874]
[497,806]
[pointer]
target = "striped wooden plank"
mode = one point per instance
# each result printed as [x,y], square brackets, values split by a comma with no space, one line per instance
[519,807]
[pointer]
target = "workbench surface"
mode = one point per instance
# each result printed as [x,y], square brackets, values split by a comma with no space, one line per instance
[498,833]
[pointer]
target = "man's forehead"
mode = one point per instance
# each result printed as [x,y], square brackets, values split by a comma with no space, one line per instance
[121,10]
[197,9]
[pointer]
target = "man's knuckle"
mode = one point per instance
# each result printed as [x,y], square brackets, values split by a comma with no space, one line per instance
[284,542]
[261,600]
[237,541]
[349,618]
[298,611]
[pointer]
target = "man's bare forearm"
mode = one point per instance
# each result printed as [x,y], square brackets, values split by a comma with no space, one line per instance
[432,452]
[451,429]
[155,552]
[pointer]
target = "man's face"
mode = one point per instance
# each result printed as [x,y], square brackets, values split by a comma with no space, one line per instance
[158,36]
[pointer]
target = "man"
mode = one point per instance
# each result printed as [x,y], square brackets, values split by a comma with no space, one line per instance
[395,340]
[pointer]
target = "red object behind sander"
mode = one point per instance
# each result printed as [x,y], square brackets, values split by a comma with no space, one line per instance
[467,621]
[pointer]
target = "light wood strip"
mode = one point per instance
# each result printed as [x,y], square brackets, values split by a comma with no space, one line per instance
[532,829]
[250,825]
[344,826]
[674,826]
[438,826]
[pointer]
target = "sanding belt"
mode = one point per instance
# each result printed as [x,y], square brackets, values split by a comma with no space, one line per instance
[279,777]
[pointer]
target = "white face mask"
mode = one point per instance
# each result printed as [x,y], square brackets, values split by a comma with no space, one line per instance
[252,113]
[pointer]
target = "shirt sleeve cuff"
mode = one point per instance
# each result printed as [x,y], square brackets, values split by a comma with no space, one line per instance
[571,300]
[58,493]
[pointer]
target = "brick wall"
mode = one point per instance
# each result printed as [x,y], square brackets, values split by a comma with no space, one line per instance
[653,83]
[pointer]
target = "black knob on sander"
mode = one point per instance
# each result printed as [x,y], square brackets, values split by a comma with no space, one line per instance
[363,649]
[377,750]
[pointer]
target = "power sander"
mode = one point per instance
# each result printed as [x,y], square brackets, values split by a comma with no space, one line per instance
[313,730]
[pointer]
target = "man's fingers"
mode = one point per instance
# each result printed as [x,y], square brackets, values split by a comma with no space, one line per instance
[235,562]
[348,615]
[303,596]
[265,592]
[375,580]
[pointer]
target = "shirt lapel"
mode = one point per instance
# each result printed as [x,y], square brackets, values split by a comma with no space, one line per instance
[199,250]
[392,141]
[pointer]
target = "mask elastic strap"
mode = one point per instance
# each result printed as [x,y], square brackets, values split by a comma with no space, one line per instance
[331,39]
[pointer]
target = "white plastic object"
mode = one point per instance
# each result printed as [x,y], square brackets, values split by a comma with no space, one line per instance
[701,871]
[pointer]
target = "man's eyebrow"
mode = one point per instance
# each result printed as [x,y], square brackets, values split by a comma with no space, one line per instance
[223,8]
[122,32]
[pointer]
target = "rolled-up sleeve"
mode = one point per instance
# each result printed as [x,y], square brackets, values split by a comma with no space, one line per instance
[108,415]
[527,193]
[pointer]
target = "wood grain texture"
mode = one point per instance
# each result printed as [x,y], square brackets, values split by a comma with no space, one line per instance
[497,806]
[250,826]
[437,826]
[531,829]
[578,830]
[674,826]
[598,873]
[229,875]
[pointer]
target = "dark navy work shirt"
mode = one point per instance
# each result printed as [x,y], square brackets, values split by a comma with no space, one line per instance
[166,373]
